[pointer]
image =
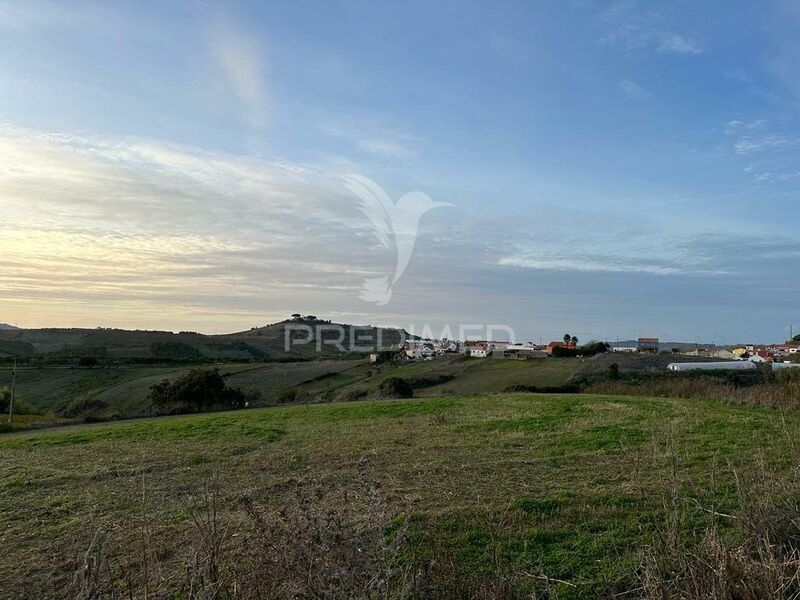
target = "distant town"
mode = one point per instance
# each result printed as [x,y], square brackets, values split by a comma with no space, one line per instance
[428,349]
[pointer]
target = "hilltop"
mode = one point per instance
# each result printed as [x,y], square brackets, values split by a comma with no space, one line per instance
[7,327]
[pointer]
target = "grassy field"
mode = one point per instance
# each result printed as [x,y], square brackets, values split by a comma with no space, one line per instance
[537,487]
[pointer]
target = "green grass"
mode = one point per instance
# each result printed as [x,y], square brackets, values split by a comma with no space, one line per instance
[566,485]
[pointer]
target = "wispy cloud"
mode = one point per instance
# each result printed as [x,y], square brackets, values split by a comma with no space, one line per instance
[669,41]
[756,136]
[635,26]
[388,148]
[634,90]
[370,134]
[114,220]
[241,57]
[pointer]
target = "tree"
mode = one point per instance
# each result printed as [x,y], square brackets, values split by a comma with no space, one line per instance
[574,341]
[394,387]
[296,316]
[796,338]
[199,389]
[567,338]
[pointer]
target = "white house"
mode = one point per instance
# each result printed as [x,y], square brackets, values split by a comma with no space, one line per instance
[480,350]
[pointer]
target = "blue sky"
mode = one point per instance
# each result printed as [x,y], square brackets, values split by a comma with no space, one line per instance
[616,168]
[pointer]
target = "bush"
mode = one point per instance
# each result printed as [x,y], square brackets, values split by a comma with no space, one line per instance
[593,348]
[394,387]
[589,349]
[613,371]
[564,352]
[286,396]
[196,391]
[789,375]
[85,407]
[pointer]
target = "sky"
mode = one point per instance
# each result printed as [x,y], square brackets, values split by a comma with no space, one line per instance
[610,169]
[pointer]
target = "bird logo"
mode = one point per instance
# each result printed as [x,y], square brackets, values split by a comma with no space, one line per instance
[392,223]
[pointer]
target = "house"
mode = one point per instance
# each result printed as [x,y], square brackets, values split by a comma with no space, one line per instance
[477,348]
[418,350]
[559,344]
[648,345]
[480,351]
[762,355]
[784,349]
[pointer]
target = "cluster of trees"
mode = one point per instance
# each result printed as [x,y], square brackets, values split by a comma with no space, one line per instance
[199,390]
[570,339]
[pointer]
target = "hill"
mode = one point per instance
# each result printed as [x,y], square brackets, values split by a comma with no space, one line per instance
[7,327]
[493,496]
[308,339]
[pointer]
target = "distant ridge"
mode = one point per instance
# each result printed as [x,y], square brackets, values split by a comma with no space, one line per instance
[265,343]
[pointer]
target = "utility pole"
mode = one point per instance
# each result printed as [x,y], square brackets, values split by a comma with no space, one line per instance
[13,385]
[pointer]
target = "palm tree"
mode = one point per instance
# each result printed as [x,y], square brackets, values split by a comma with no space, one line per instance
[567,338]
[574,341]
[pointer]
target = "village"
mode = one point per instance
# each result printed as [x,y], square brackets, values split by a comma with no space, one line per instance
[429,349]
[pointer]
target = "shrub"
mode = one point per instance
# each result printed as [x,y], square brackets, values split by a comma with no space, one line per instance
[87,361]
[613,371]
[564,352]
[198,390]
[394,387]
[286,396]
[789,375]
[86,408]
[589,349]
